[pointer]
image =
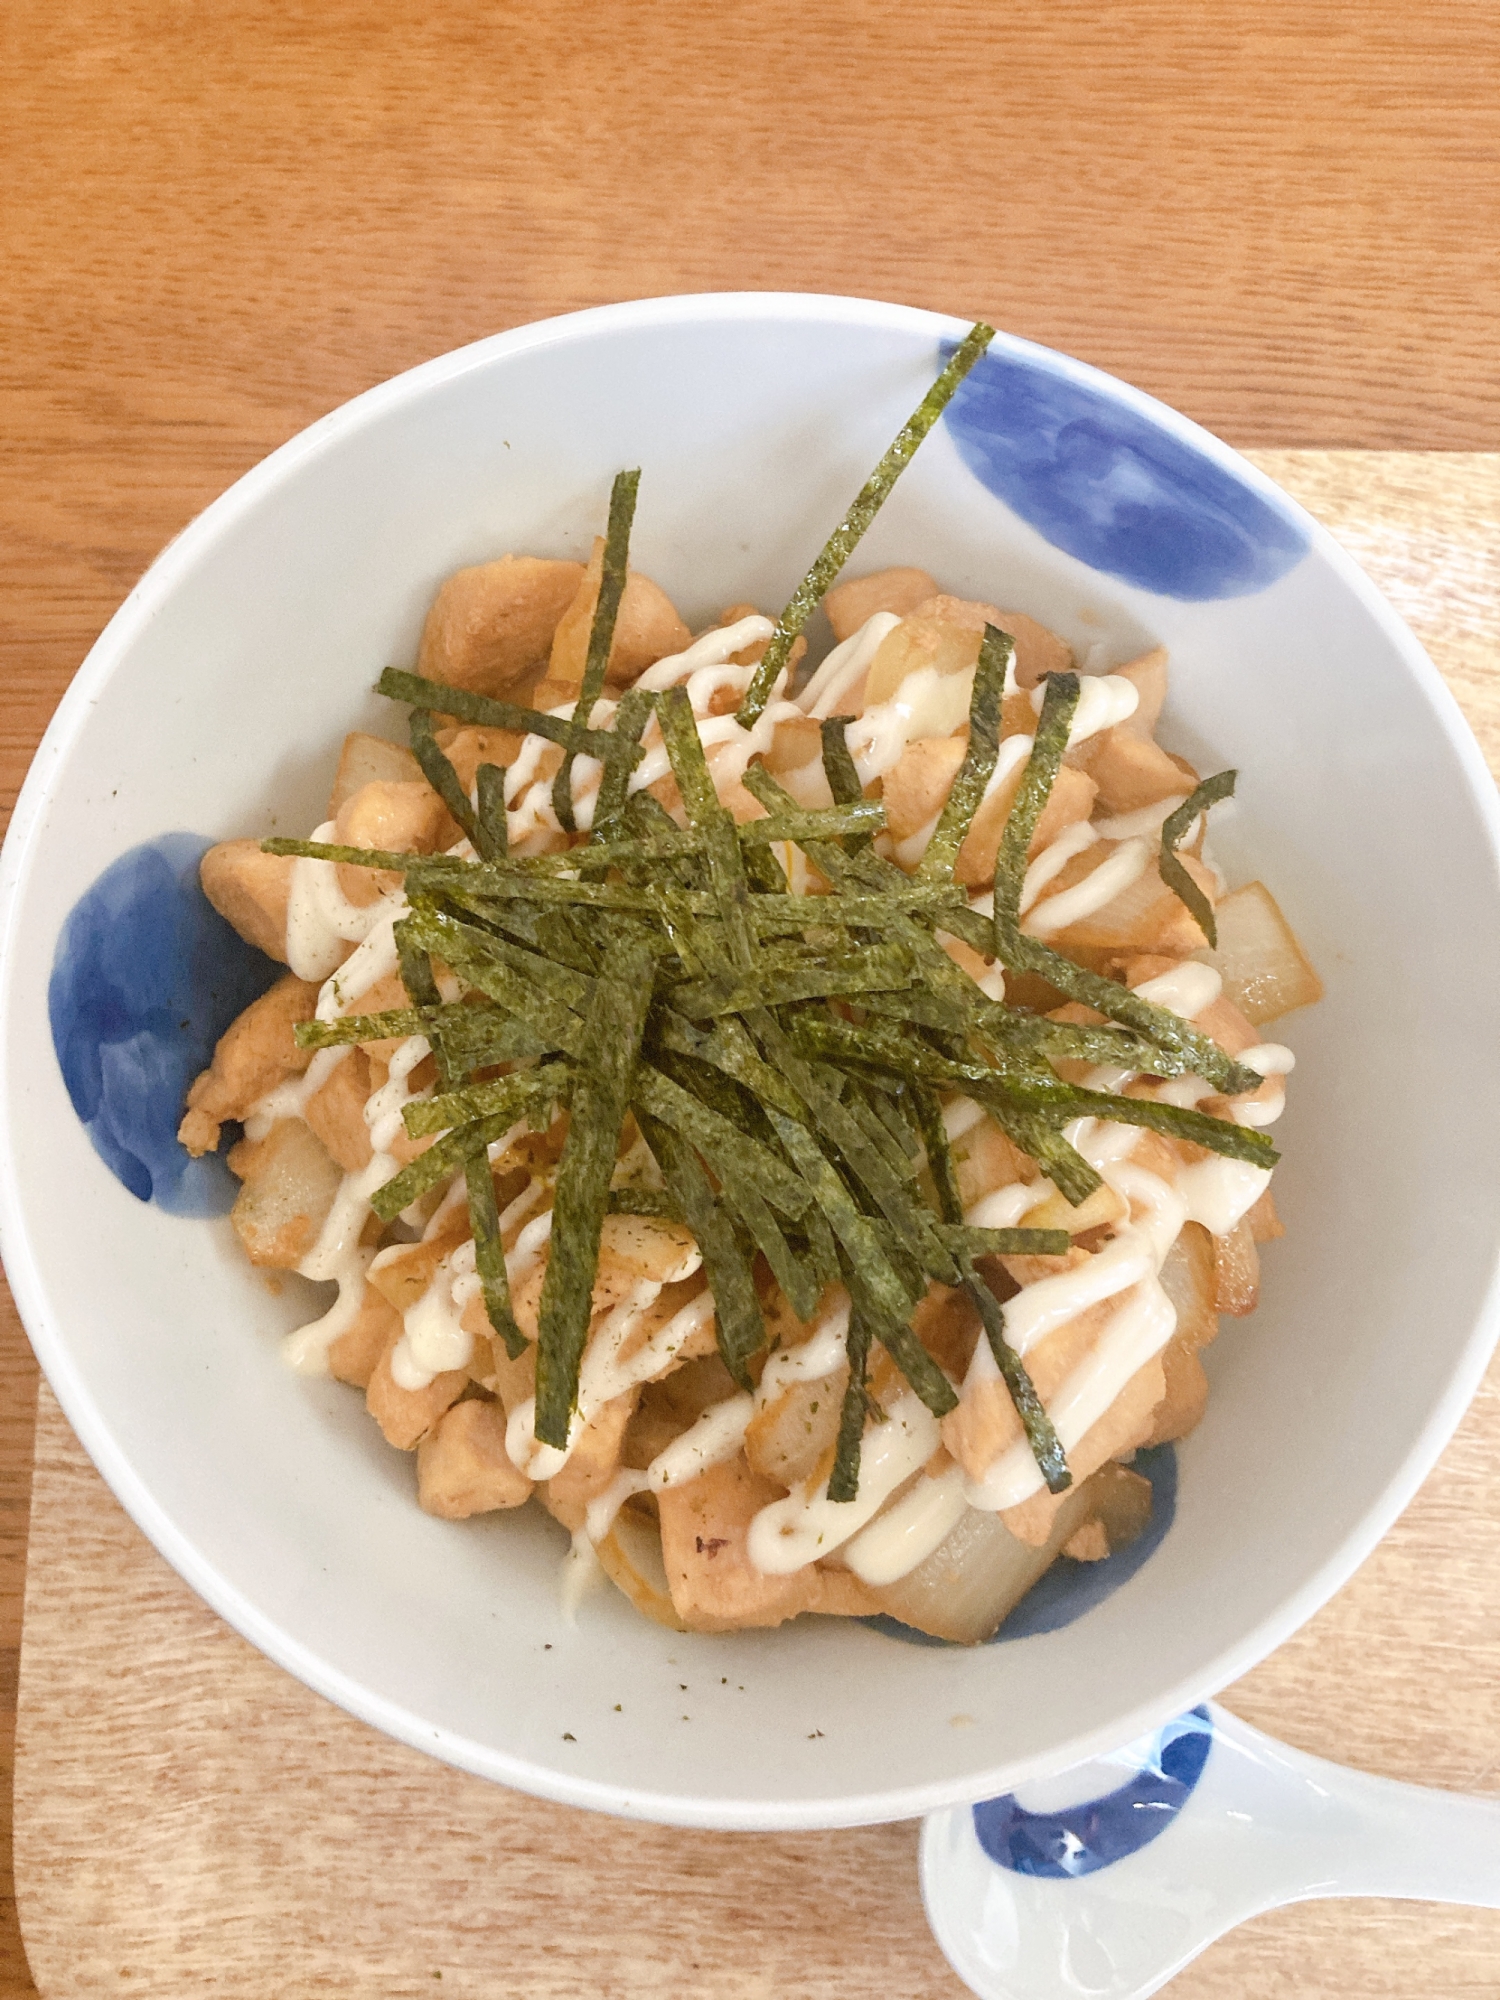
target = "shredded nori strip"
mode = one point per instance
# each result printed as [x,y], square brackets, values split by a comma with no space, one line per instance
[489,1254]
[630,721]
[491,828]
[1046,1446]
[968,1241]
[347,1028]
[528,1093]
[487,713]
[601,1096]
[643,1201]
[939,1154]
[602,630]
[1019,953]
[996,651]
[1174,829]
[1059,704]
[866,505]
[840,770]
[858,1405]
[739,1324]
[879,969]
[437,769]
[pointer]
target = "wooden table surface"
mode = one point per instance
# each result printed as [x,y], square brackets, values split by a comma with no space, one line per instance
[219,222]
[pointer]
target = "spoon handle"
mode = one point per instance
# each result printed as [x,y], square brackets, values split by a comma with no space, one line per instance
[1342,1832]
[1107,1880]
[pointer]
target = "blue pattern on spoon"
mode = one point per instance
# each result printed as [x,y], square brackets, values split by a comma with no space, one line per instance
[1081,1839]
[146,976]
[1114,488]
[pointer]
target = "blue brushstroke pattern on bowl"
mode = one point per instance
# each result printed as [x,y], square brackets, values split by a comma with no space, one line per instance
[146,977]
[1107,484]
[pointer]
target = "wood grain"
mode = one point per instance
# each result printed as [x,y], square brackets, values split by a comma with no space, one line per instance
[220,222]
[190,1813]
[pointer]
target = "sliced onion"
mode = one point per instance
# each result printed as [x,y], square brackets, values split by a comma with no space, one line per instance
[1266,972]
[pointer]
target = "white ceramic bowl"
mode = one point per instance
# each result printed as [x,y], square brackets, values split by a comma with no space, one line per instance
[215,702]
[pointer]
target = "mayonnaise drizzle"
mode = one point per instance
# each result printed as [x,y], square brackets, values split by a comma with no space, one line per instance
[807,1524]
[320,919]
[910,1529]
[289,1099]
[715,1436]
[1100,886]
[837,679]
[339,1255]
[1103,700]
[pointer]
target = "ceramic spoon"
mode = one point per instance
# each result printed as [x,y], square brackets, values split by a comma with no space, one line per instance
[1109,1879]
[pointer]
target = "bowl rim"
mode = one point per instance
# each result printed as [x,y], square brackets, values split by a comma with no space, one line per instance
[49,1338]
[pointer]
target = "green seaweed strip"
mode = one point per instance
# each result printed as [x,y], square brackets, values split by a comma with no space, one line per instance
[843,1481]
[880,969]
[915,1363]
[643,1201]
[926,1009]
[401,1021]
[1204,1057]
[1174,828]
[853,1229]
[996,651]
[672,842]
[822,1246]
[602,630]
[966,1241]
[838,766]
[1046,1446]
[728,1151]
[883,1125]
[476,1037]
[524,979]
[872,1279]
[438,770]
[601,1095]
[939,1155]
[765,872]
[843,781]
[890,1101]
[711,820]
[1062,1163]
[1199,1128]
[610,801]
[1059,704]
[733,1053]
[856,909]
[867,504]
[407,863]
[491,834]
[487,713]
[1041,1091]
[527,1093]
[489,1254]
[417,976]
[859,819]
[892,1192]
[739,1323]
[796,1279]
[455,1108]
[420,981]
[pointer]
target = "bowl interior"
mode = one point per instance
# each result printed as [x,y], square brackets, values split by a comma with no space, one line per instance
[215,703]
